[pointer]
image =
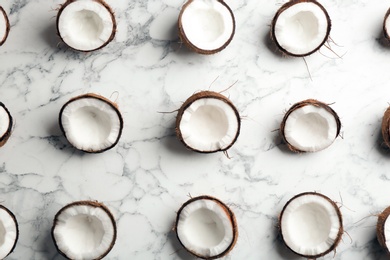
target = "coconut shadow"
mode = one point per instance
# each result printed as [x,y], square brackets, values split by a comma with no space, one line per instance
[375,249]
[382,41]
[271,46]
[179,252]
[50,34]
[48,249]
[380,143]
[280,247]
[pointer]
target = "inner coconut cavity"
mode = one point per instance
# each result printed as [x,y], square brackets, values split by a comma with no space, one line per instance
[310,128]
[207,24]
[8,232]
[91,124]
[85,25]
[209,124]
[301,28]
[84,232]
[310,225]
[205,228]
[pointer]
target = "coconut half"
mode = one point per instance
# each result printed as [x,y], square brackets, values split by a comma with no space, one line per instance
[383,229]
[4,26]
[300,27]
[91,123]
[206,26]
[311,225]
[310,126]
[206,227]
[5,124]
[86,25]
[84,230]
[9,232]
[208,122]
[386,127]
[386,25]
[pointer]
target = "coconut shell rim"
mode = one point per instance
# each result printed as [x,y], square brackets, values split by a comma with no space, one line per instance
[288,5]
[109,9]
[91,203]
[301,104]
[192,99]
[385,31]
[101,98]
[228,212]
[386,127]
[12,215]
[8,26]
[4,138]
[193,47]
[339,234]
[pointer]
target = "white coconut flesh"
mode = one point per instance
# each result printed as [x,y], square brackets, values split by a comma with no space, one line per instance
[84,232]
[5,121]
[91,124]
[8,232]
[301,28]
[209,124]
[310,128]
[205,228]
[386,232]
[310,225]
[85,25]
[207,24]
[3,26]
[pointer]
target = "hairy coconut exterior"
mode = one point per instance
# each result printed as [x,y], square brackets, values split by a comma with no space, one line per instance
[339,234]
[288,5]
[102,2]
[192,99]
[89,203]
[386,127]
[228,212]
[16,225]
[298,105]
[7,134]
[387,36]
[192,47]
[380,228]
[106,100]
[8,27]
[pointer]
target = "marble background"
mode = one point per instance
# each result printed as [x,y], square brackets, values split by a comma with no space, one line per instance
[149,174]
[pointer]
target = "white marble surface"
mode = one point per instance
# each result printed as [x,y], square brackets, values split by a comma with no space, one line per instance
[148,175]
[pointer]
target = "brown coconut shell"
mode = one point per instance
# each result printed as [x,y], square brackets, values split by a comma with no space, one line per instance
[380,228]
[8,27]
[192,99]
[4,138]
[301,104]
[106,100]
[103,3]
[284,8]
[386,127]
[339,233]
[228,212]
[191,46]
[91,204]
[385,29]
[17,227]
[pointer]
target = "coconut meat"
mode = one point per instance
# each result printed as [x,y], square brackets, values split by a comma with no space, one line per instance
[207,24]
[8,233]
[310,128]
[4,121]
[310,225]
[387,25]
[90,124]
[85,25]
[301,28]
[83,232]
[205,228]
[209,124]
[3,26]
